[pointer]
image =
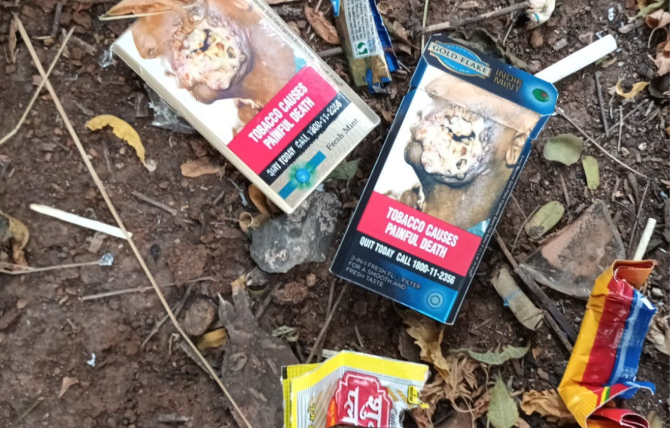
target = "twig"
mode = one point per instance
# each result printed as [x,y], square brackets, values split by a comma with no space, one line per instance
[177,309]
[329,307]
[629,114]
[509,29]
[20,270]
[266,302]
[118,220]
[57,14]
[518,233]
[322,333]
[423,23]
[359,337]
[141,289]
[566,334]
[603,114]
[154,202]
[595,143]
[644,239]
[618,144]
[566,195]
[637,219]
[218,198]
[80,221]
[38,90]
[461,22]
[28,410]
[518,205]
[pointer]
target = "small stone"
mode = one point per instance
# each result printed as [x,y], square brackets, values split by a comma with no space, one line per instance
[199,316]
[560,44]
[302,237]
[642,147]
[21,303]
[586,38]
[310,281]
[111,422]
[536,39]
[656,292]
[291,294]
[543,375]
[360,308]
[164,184]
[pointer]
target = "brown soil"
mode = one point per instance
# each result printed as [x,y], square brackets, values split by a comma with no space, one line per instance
[55,333]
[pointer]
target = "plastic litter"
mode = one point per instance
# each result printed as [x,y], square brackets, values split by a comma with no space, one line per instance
[165,116]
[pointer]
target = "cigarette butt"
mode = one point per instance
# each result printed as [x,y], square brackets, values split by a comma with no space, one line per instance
[80,221]
[644,239]
[578,60]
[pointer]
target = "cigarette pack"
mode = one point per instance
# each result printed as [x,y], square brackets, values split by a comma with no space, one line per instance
[246,82]
[453,154]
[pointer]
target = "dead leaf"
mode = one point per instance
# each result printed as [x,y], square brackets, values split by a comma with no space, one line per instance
[493,358]
[248,222]
[396,30]
[563,148]
[458,420]
[14,230]
[520,423]
[200,167]
[12,40]
[67,383]
[324,28]
[259,200]
[544,219]
[503,412]
[660,18]
[637,88]
[124,131]
[592,172]
[654,420]
[427,335]
[213,339]
[662,60]
[549,405]
[384,7]
[292,293]
[659,334]
[387,115]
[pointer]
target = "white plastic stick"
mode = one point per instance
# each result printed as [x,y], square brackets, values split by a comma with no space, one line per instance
[79,221]
[644,239]
[578,60]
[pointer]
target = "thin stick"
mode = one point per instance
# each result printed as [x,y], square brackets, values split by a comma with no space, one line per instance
[359,337]
[461,22]
[28,410]
[603,114]
[141,289]
[618,144]
[329,307]
[637,219]
[423,23]
[644,239]
[177,309]
[139,15]
[595,143]
[322,333]
[518,233]
[154,202]
[266,302]
[20,270]
[56,23]
[566,195]
[629,114]
[115,214]
[79,221]
[37,92]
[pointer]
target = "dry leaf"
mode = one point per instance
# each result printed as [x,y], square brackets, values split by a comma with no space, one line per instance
[199,167]
[11,228]
[396,30]
[520,423]
[123,130]
[662,60]
[549,405]
[259,200]
[660,18]
[637,88]
[659,334]
[12,40]
[387,115]
[248,222]
[67,383]
[213,339]
[322,26]
[503,412]
[428,335]
[654,420]
[384,7]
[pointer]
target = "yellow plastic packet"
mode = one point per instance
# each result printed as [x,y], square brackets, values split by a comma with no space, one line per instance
[351,389]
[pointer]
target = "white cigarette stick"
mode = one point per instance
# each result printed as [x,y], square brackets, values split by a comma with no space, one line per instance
[644,239]
[79,221]
[578,60]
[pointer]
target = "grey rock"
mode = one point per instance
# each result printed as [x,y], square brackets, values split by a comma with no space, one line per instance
[302,237]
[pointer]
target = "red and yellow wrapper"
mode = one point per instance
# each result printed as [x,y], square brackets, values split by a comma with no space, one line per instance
[605,359]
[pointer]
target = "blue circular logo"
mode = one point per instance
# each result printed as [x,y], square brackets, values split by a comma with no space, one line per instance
[435,300]
[302,175]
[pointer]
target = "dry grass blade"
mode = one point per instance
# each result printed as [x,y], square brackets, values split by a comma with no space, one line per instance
[118,220]
[138,8]
[38,90]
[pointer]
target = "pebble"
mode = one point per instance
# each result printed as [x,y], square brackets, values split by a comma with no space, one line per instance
[199,316]
[560,44]
[304,236]
[543,375]
[656,292]
[310,280]
[536,39]
[360,308]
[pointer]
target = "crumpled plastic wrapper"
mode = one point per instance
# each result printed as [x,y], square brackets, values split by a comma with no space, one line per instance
[540,11]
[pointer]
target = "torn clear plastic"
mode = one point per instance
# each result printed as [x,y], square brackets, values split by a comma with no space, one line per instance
[165,116]
[107,259]
[107,58]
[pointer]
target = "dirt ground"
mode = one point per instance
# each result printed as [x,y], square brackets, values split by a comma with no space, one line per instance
[54,334]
